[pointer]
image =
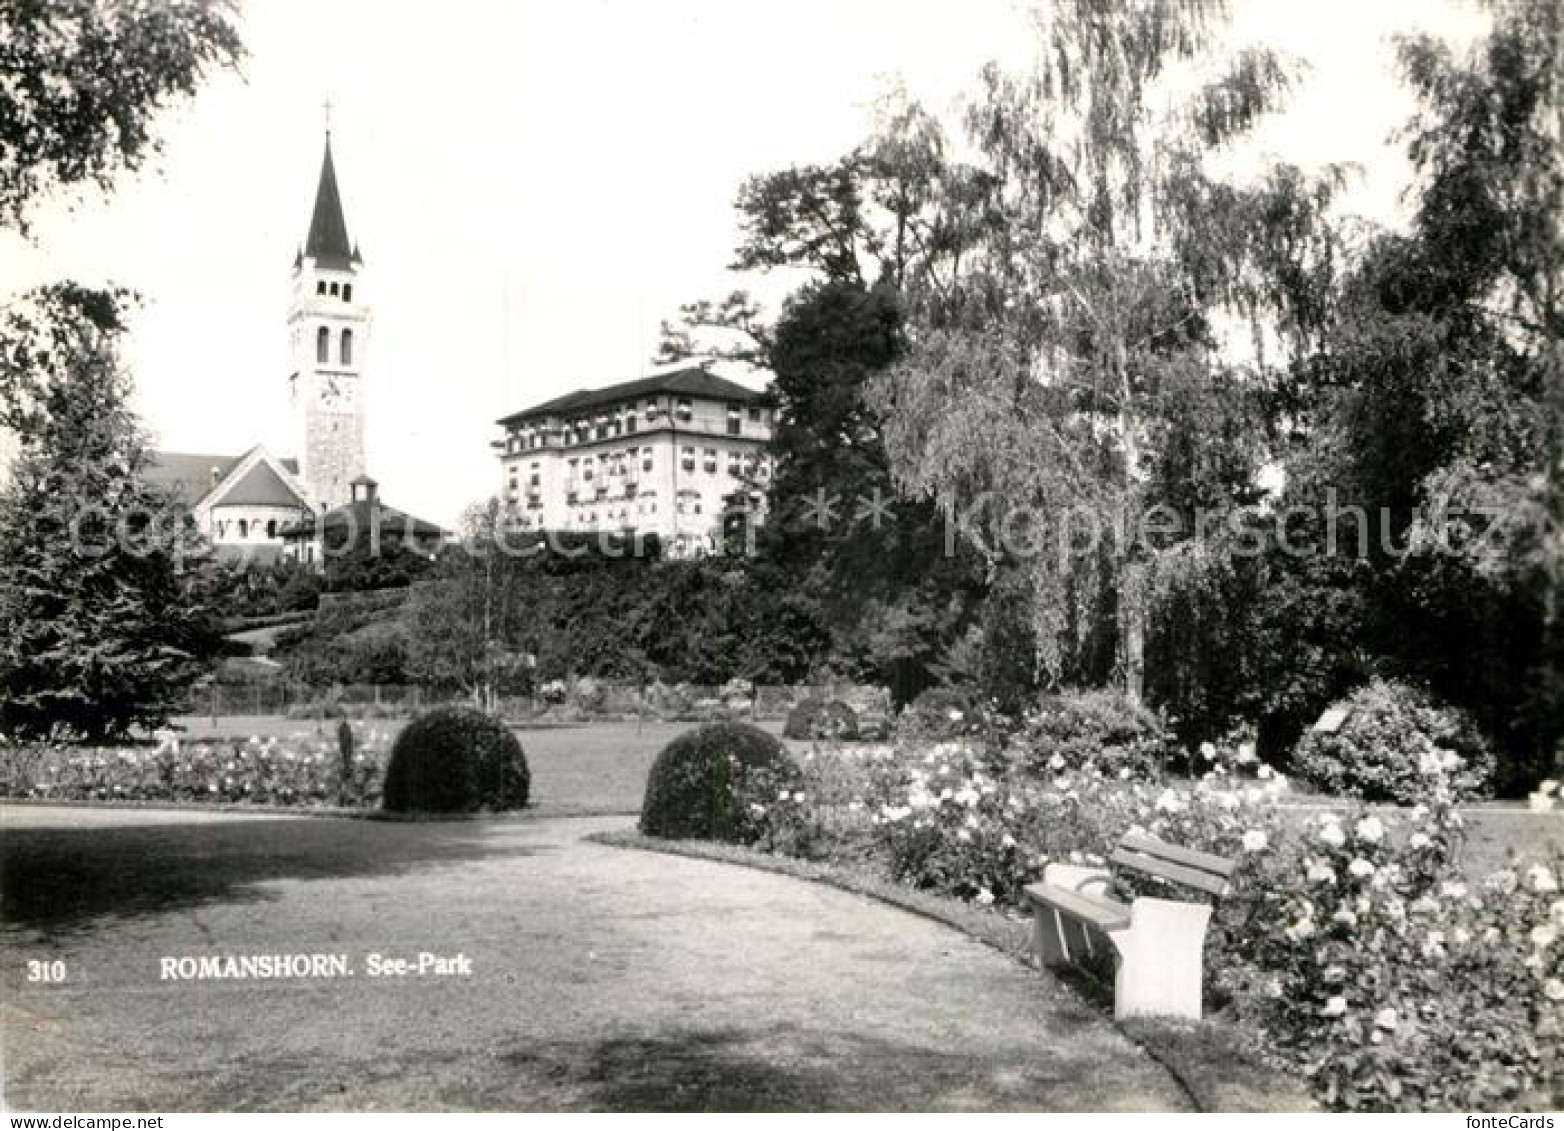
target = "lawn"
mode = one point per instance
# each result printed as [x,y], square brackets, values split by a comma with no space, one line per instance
[596,768]
[602,767]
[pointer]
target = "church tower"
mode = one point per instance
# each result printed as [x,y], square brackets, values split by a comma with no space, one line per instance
[328,330]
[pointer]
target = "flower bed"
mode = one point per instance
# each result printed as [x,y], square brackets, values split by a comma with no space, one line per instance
[1354,951]
[302,770]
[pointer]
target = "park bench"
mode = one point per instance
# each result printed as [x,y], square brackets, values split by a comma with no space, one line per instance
[1157,944]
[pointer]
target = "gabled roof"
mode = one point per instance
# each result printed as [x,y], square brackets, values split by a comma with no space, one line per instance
[328,239]
[191,477]
[188,475]
[261,486]
[693,381]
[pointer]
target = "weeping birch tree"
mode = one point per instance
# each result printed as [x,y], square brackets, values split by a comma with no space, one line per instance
[1074,399]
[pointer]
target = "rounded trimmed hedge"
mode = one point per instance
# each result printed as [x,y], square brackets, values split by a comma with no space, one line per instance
[1397,743]
[456,760]
[716,782]
[821,718]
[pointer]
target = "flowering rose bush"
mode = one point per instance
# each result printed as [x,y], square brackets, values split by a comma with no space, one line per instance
[1365,961]
[300,770]
[1096,727]
[961,818]
[939,714]
[1394,740]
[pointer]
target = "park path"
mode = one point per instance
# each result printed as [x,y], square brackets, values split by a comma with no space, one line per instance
[601,978]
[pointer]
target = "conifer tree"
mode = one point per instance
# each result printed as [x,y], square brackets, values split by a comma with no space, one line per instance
[99,633]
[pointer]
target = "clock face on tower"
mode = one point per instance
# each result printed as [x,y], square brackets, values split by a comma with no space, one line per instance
[337,392]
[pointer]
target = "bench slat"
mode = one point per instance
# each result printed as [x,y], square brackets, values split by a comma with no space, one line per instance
[1104,914]
[1205,861]
[1179,873]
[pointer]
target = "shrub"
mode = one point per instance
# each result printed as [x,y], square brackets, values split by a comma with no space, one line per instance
[718,782]
[456,760]
[1094,728]
[588,696]
[1396,744]
[669,702]
[738,688]
[938,714]
[343,649]
[821,718]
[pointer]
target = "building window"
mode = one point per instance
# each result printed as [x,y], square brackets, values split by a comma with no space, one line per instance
[347,347]
[244,528]
[684,410]
[333,289]
[320,287]
[271,528]
[735,421]
[323,345]
[710,462]
[347,292]
[687,459]
[754,415]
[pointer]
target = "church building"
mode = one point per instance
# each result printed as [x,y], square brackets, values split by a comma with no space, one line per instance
[257,507]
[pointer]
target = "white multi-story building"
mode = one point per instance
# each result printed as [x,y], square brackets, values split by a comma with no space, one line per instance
[669,455]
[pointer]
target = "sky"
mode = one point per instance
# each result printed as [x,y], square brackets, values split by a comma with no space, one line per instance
[537,184]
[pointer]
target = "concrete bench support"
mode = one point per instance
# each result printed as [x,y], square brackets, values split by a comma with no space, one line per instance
[1158,945]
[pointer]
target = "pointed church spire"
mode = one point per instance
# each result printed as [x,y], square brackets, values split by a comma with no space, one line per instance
[328,238]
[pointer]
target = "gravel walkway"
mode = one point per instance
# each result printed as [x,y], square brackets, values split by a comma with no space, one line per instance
[599,978]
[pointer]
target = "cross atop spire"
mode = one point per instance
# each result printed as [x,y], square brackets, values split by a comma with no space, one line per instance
[328,239]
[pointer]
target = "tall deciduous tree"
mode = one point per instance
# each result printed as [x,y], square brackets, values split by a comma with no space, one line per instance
[1433,404]
[100,634]
[873,233]
[84,80]
[1050,392]
[473,620]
